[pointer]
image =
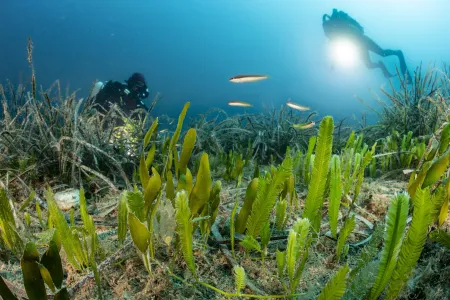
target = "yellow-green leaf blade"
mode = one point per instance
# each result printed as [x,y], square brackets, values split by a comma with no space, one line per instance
[444,212]
[32,278]
[150,132]
[395,228]
[316,188]
[202,188]
[268,191]
[177,132]
[239,278]
[335,288]
[122,216]
[436,170]
[413,243]
[51,260]
[185,228]
[188,146]
[151,191]
[139,233]
[250,196]
[47,277]
[335,194]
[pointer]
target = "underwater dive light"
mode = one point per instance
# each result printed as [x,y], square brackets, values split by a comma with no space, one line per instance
[344,52]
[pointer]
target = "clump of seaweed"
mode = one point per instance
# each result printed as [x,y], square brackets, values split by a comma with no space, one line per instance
[418,107]
[262,136]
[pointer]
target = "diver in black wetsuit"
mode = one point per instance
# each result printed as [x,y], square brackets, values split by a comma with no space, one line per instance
[128,96]
[340,24]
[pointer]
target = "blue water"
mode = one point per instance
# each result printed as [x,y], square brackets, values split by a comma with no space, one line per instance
[189,49]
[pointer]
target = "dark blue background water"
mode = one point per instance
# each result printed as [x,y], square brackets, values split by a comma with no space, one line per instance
[189,49]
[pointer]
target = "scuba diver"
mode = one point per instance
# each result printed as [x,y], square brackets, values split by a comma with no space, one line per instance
[340,24]
[128,96]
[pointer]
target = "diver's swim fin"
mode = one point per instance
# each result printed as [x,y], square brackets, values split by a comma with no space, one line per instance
[403,67]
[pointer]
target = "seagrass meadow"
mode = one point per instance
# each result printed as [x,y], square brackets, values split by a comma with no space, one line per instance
[224,207]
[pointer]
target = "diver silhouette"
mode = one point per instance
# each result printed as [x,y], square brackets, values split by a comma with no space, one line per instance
[128,96]
[340,24]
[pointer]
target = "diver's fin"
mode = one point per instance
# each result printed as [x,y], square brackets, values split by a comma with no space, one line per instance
[403,67]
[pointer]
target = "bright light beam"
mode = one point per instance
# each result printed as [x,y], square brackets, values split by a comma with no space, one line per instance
[344,53]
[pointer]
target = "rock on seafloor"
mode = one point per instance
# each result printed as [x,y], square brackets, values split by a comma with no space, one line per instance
[67,199]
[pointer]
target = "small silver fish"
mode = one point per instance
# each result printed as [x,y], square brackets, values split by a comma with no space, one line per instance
[239,103]
[297,106]
[304,126]
[163,130]
[247,78]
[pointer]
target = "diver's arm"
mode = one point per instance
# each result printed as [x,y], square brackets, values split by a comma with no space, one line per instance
[112,92]
[114,86]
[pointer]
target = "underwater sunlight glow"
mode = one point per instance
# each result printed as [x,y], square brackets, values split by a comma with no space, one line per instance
[344,53]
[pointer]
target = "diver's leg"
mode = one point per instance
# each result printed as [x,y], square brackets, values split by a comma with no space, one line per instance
[385,70]
[372,46]
[401,58]
[372,65]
